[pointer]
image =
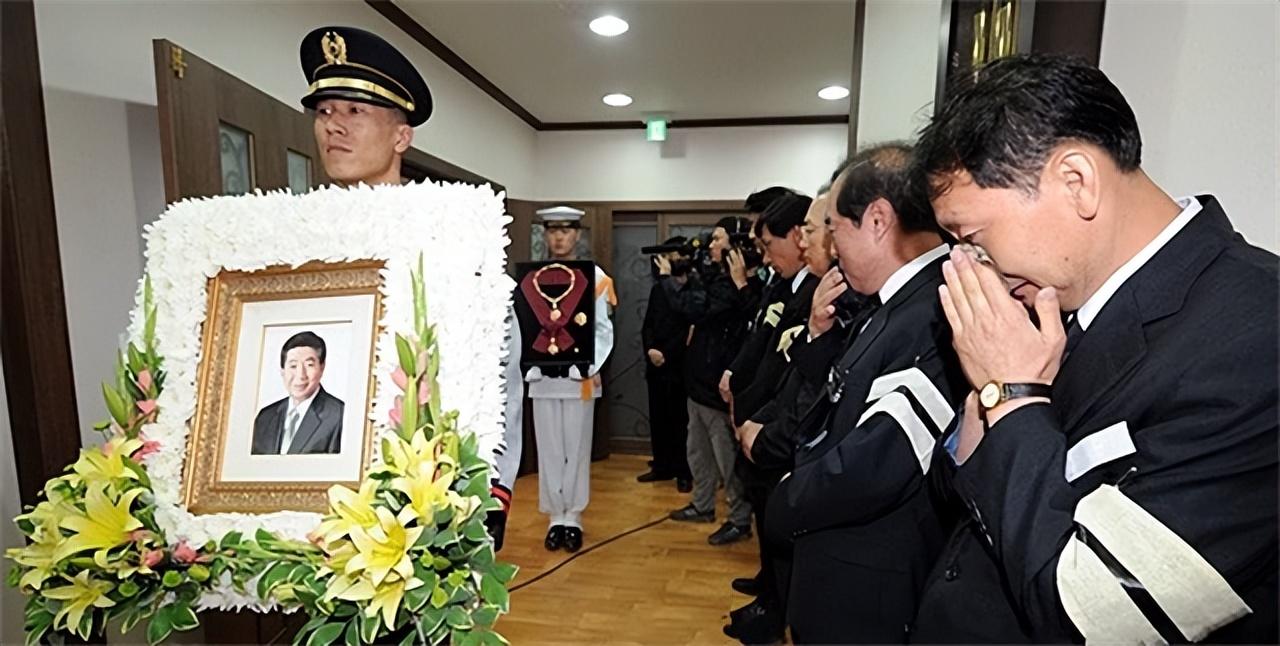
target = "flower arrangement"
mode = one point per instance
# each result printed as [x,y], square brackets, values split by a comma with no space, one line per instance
[404,558]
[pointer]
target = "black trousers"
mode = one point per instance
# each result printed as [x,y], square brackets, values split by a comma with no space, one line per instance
[758,485]
[668,420]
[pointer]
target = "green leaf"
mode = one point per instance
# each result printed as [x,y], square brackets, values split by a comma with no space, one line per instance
[230,541]
[406,355]
[133,616]
[475,531]
[439,597]
[432,620]
[494,592]
[264,537]
[409,409]
[417,597]
[444,538]
[137,470]
[441,563]
[272,577]
[505,572]
[352,634]
[410,639]
[485,615]
[315,623]
[160,627]
[491,638]
[368,628]
[326,634]
[116,406]
[182,618]
[457,618]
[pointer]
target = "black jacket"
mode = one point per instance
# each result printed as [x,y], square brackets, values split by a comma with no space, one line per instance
[719,312]
[764,360]
[856,505]
[665,330]
[1176,379]
[319,431]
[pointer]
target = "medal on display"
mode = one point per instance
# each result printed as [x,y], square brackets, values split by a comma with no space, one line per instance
[550,310]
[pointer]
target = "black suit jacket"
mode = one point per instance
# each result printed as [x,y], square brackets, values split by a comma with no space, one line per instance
[1184,356]
[756,344]
[770,365]
[665,330]
[320,430]
[856,505]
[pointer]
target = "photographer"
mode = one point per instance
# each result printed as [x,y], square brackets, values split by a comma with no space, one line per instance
[664,334]
[717,299]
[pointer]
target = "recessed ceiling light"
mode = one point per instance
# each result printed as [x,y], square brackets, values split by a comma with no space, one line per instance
[617,100]
[833,93]
[609,26]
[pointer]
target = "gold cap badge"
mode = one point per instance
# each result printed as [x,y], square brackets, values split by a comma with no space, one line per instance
[335,48]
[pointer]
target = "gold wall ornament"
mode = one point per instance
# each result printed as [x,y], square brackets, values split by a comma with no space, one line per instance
[176,62]
[995,32]
[335,48]
[204,490]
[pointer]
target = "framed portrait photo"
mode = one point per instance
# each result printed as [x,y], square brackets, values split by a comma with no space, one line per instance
[286,387]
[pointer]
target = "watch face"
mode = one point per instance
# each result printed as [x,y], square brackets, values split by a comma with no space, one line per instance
[990,395]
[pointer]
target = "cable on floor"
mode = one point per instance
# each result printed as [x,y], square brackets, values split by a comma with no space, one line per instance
[588,551]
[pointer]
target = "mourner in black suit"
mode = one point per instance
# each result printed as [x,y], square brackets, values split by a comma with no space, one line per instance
[308,419]
[856,506]
[1118,476]
[781,321]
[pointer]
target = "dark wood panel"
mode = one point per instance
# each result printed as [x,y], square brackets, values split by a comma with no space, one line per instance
[33,336]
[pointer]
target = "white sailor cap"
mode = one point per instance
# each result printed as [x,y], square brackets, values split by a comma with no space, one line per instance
[560,217]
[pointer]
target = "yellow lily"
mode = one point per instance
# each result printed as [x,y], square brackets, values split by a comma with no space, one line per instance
[384,548]
[426,493]
[387,598]
[38,555]
[349,588]
[102,526]
[349,510]
[77,598]
[407,457]
[339,554]
[104,464]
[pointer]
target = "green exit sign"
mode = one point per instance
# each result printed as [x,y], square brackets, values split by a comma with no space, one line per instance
[655,130]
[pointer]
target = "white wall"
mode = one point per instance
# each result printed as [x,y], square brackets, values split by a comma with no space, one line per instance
[693,164]
[1201,77]
[899,68]
[103,48]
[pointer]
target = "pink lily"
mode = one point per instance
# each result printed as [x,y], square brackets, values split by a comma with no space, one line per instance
[397,413]
[144,380]
[183,553]
[147,406]
[400,379]
[152,557]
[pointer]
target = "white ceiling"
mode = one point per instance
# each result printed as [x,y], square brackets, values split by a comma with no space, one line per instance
[689,59]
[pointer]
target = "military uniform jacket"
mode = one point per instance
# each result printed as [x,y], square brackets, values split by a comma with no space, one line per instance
[856,505]
[1140,504]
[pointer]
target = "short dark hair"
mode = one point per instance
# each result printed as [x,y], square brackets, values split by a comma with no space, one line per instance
[1000,123]
[885,171]
[734,224]
[759,201]
[306,339]
[785,214]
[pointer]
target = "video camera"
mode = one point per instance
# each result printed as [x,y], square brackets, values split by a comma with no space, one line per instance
[695,254]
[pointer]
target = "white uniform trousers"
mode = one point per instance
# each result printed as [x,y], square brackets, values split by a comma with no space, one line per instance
[562,428]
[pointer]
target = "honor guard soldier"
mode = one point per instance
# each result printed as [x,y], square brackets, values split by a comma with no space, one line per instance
[367,98]
[560,318]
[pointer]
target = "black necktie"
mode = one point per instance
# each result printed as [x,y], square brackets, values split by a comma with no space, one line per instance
[1074,333]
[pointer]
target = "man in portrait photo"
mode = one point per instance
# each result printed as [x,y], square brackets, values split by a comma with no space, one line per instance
[308,420]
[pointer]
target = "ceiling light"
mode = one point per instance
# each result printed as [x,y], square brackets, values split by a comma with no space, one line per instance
[617,100]
[833,93]
[609,26]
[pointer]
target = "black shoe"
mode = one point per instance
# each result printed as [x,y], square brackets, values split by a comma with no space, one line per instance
[684,485]
[690,514]
[756,623]
[746,585]
[572,539]
[729,533]
[555,538]
[653,476]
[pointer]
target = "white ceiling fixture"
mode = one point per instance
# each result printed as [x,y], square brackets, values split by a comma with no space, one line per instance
[617,100]
[609,26]
[833,92]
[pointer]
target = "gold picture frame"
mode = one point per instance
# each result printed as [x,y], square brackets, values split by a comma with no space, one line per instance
[206,489]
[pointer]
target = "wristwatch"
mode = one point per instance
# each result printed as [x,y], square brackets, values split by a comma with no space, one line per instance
[995,393]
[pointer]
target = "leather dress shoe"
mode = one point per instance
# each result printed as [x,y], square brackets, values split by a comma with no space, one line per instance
[729,533]
[555,538]
[653,475]
[756,623]
[690,514]
[746,585]
[572,539]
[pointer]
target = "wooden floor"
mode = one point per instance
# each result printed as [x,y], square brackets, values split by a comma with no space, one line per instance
[660,585]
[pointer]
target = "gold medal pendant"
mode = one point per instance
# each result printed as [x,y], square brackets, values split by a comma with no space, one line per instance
[553,348]
[581,318]
[555,315]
